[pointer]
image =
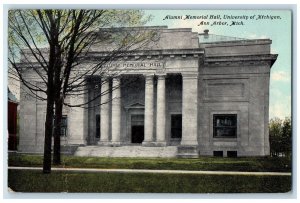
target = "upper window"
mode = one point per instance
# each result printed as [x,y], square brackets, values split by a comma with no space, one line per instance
[225,125]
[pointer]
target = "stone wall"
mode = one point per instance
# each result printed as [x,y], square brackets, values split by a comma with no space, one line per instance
[235,82]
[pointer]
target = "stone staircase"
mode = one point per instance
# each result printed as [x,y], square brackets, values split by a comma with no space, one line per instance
[69,149]
[126,151]
[188,152]
[134,151]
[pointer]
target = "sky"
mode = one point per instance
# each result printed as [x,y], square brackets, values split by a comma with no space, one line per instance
[278,30]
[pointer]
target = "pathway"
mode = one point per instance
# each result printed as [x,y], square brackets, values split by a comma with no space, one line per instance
[98,170]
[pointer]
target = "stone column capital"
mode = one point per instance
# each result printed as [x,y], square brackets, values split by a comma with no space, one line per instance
[104,77]
[116,78]
[149,75]
[149,78]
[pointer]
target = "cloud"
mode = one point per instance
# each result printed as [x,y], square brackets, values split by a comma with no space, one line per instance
[255,36]
[280,110]
[187,24]
[274,51]
[280,76]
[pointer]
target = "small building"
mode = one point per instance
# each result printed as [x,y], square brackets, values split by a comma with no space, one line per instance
[191,94]
[12,115]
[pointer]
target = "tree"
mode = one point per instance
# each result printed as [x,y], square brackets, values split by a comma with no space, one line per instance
[275,135]
[67,38]
[287,136]
[280,137]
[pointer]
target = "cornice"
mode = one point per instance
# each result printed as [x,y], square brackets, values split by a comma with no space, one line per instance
[149,54]
[265,59]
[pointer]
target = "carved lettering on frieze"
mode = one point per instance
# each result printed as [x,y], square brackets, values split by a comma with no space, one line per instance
[135,65]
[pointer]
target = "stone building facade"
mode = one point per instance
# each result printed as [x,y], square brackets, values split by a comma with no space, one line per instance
[189,95]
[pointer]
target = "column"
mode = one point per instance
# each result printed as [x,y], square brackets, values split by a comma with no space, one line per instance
[161,111]
[149,98]
[189,109]
[104,112]
[116,112]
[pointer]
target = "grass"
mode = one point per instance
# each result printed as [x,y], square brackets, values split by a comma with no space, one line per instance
[272,164]
[35,181]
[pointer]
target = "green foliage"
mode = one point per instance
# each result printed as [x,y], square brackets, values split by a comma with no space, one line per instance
[280,132]
[35,181]
[279,164]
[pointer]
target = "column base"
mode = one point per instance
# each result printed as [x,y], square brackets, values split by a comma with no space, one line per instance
[115,144]
[104,143]
[148,144]
[189,143]
[160,144]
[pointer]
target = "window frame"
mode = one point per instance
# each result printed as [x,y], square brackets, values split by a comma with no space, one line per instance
[235,127]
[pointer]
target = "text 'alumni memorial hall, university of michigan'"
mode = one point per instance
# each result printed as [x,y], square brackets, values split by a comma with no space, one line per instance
[192,94]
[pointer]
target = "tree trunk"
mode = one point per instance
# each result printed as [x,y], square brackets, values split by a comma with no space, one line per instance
[57,131]
[48,136]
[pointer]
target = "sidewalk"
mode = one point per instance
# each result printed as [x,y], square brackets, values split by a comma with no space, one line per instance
[96,170]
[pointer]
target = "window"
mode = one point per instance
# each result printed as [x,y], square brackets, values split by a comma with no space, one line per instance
[231,153]
[176,126]
[218,153]
[64,126]
[225,125]
[97,126]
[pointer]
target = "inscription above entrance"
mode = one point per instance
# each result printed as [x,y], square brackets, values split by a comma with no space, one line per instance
[135,64]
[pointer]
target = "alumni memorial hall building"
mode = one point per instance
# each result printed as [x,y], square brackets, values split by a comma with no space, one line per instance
[192,94]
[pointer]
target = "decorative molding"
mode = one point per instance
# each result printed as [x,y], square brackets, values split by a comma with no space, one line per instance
[136,105]
[140,54]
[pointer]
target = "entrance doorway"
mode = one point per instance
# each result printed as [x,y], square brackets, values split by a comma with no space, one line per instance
[137,128]
[176,126]
[137,134]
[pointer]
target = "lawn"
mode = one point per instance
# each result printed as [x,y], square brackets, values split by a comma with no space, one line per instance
[35,181]
[272,164]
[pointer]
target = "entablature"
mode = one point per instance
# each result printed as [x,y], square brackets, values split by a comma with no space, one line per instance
[145,54]
[265,59]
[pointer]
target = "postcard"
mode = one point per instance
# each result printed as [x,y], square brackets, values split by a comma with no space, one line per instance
[149,101]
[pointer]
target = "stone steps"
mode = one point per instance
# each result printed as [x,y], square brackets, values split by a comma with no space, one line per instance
[69,149]
[126,151]
[188,152]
